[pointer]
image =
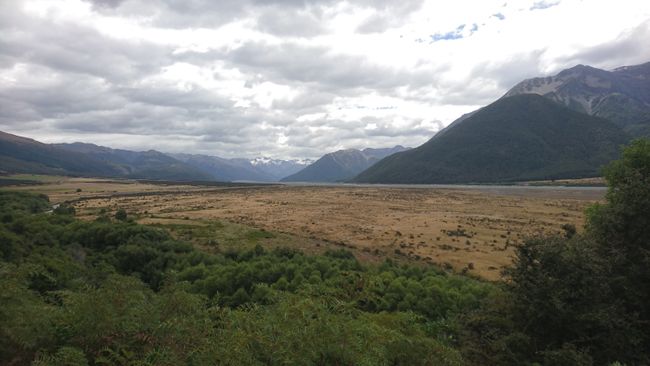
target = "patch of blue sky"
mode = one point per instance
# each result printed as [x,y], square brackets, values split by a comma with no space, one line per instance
[499,16]
[544,4]
[455,34]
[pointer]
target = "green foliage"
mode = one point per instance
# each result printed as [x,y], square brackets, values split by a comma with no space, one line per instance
[64,210]
[115,293]
[620,230]
[309,331]
[20,202]
[121,215]
[64,356]
[578,299]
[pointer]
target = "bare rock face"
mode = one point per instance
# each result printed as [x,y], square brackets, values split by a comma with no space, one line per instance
[621,95]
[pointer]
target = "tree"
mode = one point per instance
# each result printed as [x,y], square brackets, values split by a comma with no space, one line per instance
[621,230]
[581,299]
[121,215]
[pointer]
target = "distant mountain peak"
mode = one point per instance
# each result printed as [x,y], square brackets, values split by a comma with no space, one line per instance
[261,169]
[270,161]
[621,96]
[341,165]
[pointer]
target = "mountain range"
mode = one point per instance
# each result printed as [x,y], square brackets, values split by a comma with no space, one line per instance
[150,164]
[523,137]
[342,165]
[621,95]
[24,155]
[563,126]
[239,169]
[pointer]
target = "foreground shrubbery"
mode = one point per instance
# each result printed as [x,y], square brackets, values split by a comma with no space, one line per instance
[117,293]
[578,299]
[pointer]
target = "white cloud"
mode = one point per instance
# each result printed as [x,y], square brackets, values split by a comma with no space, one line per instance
[287,78]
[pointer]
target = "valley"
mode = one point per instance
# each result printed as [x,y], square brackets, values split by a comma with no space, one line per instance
[324,183]
[471,229]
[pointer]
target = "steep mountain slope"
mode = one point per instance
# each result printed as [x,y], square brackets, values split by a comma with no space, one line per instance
[621,95]
[139,164]
[383,152]
[521,137]
[341,165]
[24,155]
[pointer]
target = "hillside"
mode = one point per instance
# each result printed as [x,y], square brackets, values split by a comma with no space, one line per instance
[139,164]
[516,138]
[341,165]
[24,155]
[621,95]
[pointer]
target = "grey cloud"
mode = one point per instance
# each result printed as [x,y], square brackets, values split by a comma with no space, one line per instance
[195,99]
[76,49]
[629,48]
[297,23]
[290,62]
[200,13]
[388,15]
[340,131]
[509,72]
[306,102]
[106,3]
[303,18]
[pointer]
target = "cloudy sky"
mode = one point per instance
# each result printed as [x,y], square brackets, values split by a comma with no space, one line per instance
[287,78]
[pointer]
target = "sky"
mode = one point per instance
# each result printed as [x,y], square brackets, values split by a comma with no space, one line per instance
[288,78]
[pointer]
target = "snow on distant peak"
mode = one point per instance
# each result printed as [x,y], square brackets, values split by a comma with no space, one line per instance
[270,161]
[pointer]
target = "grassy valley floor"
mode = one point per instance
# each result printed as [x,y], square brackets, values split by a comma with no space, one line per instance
[469,229]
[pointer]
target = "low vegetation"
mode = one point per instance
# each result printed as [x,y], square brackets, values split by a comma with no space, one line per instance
[113,292]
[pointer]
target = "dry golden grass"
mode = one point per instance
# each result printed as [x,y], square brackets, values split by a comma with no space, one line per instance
[471,229]
[468,228]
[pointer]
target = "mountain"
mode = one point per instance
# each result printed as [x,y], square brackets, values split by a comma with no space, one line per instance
[24,155]
[279,169]
[224,169]
[621,95]
[150,164]
[521,137]
[239,169]
[383,152]
[341,165]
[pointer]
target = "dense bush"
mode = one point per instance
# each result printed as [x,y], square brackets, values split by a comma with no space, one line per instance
[74,292]
[578,299]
